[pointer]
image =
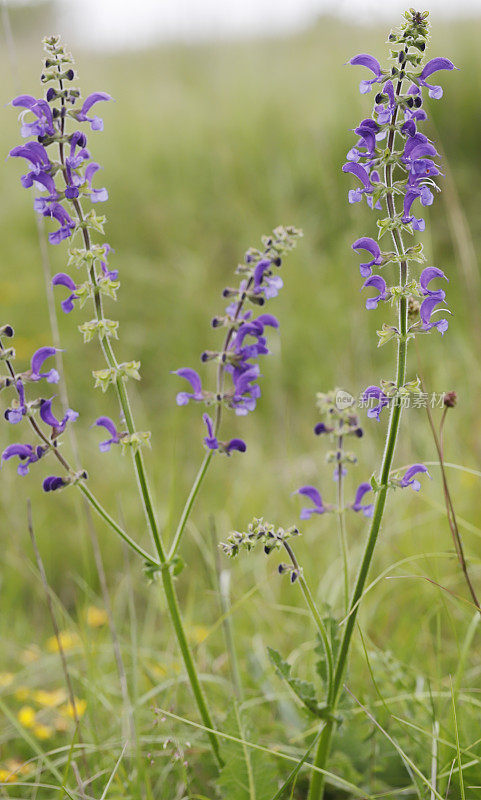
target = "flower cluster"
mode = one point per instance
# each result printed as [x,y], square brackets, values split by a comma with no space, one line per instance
[38,412]
[390,144]
[62,172]
[264,533]
[338,422]
[244,339]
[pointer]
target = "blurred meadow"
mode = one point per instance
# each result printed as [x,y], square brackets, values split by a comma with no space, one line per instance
[207,147]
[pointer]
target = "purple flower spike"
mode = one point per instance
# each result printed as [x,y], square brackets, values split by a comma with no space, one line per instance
[312,493]
[379,284]
[428,275]
[96,123]
[427,308]
[37,362]
[210,440]
[378,394]
[194,379]
[371,63]
[47,416]
[371,246]
[53,482]
[109,425]
[62,279]
[408,478]
[358,505]
[432,66]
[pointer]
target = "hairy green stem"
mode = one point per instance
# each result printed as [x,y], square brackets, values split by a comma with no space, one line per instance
[317,785]
[341,523]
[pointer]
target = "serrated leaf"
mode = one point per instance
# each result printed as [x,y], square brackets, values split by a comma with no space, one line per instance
[246,774]
[332,627]
[304,690]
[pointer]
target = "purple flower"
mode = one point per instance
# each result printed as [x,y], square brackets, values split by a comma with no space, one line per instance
[43,125]
[321,428]
[378,394]
[427,308]
[245,392]
[385,111]
[428,275]
[212,443]
[96,123]
[357,505]
[194,379]
[62,279]
[35,153]
[313,495]
[16,414]
[408,478]
[53,482]
[47,416]
[26,453]
[355,195]
[37,362]
[432,66]
[379,284]
[67,225]
[234,444]
[426,197]
[109,425]
[371,246]
[96,195]
[371,63]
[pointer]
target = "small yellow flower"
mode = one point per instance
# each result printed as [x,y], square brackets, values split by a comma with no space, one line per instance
[199,633]
[6,678]
[26,716]
[96,617]
[22,693]
[68,640]
[49,699]
[42,731]
[80,706]
[6,776]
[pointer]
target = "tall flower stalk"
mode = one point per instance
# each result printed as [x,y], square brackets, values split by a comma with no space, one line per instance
[65,182]
[407,163]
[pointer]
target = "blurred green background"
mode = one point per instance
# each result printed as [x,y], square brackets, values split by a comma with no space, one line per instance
[206,148]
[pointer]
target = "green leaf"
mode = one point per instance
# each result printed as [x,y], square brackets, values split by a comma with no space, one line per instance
[304,690]
[332,627]
[246,774]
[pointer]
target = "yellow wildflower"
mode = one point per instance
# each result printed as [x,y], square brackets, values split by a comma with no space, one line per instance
[80,706]
[200,632]
[6,678]
[49,699]
[6,776]
[42,731]
[68,640]
[26,716]
[96,617]
[22,693]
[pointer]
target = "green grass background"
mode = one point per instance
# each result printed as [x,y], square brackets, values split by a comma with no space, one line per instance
[206,148]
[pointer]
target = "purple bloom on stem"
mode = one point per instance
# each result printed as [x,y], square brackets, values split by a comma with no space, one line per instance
[96,123]
[408,478]
[371,63]
[428,275]
[210,441]
[355,195]
[385,111]
[33,152]
[245,394]
[426,197]
[358,505]
[194,379]
[432,66]
[66,223]
[62,279]
[235,444]
[36,364]
[109,425]
[427,308]
[43,125]
[53,482]
[47,416]
[15,415]
[96,195]
[379,284]
[378,394]
[321,428]
[26,454]
[312,493]
[371,246]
